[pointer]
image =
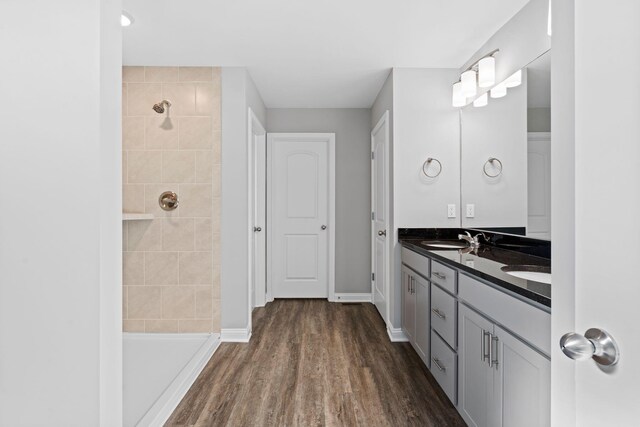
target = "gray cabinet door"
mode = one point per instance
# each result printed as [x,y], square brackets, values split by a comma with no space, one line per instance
[423,307]
[522,383]
[409,304]
[475,377]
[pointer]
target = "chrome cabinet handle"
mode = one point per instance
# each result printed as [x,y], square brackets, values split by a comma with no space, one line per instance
[438,365]
[257,229]
[438,313]
[493,361]
[439,275]
[382,233]
[413,282]
[323,227]
[596,344]
[484,334]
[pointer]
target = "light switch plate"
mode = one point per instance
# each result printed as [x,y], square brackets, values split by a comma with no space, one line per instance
[451,211]
[471,210]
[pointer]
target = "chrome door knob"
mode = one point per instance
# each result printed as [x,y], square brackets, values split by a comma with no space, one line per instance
[257,229]
[596,344]
[324,227]
[382,233]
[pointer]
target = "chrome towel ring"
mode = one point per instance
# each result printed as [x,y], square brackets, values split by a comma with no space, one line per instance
[426,164]
[491,161]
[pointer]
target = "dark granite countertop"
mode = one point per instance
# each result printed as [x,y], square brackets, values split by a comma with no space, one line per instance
[486,263]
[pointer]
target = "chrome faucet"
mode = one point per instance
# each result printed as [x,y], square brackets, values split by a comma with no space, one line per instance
[474,242]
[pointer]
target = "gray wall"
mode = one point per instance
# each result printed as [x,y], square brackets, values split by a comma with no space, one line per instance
[539,120]
[353,188]
[238,94]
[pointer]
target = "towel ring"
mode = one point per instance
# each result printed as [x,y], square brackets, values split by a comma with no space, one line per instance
[426,164]
[491,160]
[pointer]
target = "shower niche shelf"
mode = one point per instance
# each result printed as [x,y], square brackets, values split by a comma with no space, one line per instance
[127,216]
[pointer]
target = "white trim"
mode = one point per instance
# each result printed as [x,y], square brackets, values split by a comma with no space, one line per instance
[384,120]
[235,334]
[254,128]
[331,223]
[538,136]
[173,395]
[396,334]
[342,297]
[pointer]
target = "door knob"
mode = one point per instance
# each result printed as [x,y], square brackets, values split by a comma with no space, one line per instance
[257,229]
[596,344]
[324,227]
[382,233]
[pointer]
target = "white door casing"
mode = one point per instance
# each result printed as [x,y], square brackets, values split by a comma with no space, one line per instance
[301,215]
[257,164]
[380,215]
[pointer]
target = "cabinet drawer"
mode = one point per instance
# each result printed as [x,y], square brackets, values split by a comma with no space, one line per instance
[443,276]
[443,315]
[444,366]
[416,261]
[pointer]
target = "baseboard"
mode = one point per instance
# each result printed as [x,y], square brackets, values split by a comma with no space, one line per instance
[396,334]
[235,335]
[172,396]
[343,297]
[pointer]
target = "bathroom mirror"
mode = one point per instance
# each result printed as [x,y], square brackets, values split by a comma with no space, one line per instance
[506,157]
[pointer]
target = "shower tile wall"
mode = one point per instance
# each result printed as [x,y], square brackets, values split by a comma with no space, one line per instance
[171,263]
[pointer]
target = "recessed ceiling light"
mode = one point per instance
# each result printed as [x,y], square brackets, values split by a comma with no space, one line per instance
[126,19]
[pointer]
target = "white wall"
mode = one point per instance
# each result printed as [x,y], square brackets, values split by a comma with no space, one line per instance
[353,184]
[497,130]
[238,94]
[522,39]
[425,125]
[60,222]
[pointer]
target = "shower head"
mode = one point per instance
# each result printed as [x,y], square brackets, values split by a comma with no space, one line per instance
[160,106]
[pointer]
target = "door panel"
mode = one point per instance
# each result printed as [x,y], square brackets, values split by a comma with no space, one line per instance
[539,186]
[409,304]
[379,209]
[423,317]
[299,171]
[523,383]
[475,377]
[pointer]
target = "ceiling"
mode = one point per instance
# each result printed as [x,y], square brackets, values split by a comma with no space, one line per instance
[321,54]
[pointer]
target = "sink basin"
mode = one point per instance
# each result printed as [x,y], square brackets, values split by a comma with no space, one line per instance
[445,244]
[536,273]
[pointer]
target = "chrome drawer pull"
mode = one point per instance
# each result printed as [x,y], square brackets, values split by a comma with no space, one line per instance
[439,313]
[494,361]
[485,334]
[440,275]
[438,365]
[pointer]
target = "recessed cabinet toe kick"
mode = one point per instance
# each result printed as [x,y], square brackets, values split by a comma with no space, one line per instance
[487,348]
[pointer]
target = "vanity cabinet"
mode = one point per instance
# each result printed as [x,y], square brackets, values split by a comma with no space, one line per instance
[487,349]
[415,311]
[502,380]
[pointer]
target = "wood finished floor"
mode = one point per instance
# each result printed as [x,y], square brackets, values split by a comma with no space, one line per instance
[315,363]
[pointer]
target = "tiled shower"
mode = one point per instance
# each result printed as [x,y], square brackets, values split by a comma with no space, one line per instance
[171,259]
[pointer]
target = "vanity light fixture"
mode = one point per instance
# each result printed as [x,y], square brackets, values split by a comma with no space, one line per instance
[469,87]
[487,71]
[482,100]
[126,19]
[499,91]
[514,79]
[481,73]
[458,99]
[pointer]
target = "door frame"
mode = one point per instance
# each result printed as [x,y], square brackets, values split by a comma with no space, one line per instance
[254,129]
[384,120]
[331,222]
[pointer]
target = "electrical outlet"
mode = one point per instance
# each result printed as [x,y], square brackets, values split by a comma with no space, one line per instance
[471,210]
[451,211]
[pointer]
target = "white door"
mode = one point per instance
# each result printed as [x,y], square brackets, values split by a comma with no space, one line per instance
[475,377]
[522,383]
[539,185]
[258,211]
[301,208]
[380,213]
